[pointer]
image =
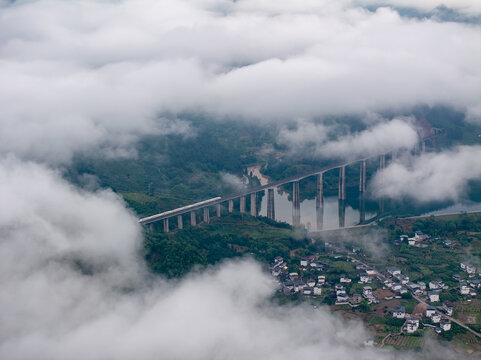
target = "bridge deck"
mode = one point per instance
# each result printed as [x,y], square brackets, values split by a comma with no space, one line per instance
[246,192]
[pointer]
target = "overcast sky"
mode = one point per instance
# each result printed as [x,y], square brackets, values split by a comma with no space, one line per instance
[93,77]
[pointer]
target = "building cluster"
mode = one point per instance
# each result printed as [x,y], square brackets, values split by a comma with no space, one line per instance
[470,286]
[418,240]
[433,314]
[307,279]
[293,282]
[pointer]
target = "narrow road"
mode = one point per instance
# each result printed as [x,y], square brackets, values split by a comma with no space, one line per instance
[450,318]
[418,299]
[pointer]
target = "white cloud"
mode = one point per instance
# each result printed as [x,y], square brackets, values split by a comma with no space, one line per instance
[430,177]
[94,76]
[382,137]
[73,286]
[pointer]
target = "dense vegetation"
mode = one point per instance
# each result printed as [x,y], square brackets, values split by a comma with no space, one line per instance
[174,254]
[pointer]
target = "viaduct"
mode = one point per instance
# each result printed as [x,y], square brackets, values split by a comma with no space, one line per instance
[205,206]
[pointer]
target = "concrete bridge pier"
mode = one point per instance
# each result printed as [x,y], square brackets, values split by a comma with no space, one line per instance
[217,210]
[382,162]
[423,146]
[151,227]
[320,202]
[193,220]
[231,206]
[342,213]
[242,206]
[179,222]
[296,204]
[342,183]
[271,214]
[319,190]
[254,204]
[166,225]
[362,177]
[320,216]
[206,214]
[362,208]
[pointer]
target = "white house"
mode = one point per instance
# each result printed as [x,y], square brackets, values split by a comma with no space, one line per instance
[341,292]
[317,290]
[433,296]
[436,284]
[445,324]
[411,325]
[393,271]
[412,241]
[311,282]
[307,291]
[471,270]
[304,262]
[344,279]
[430,311]
[370,270]
[298,285]
[367,290]
[342,298]
[464,289]
[396,286]
[399,312]
[436,318]
[276,271]
[448,308]
[463,266]
[321,279]
[403,290]
[364,277]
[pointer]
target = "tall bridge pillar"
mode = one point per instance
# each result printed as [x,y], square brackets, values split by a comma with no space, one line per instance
[362,177]
[362,208]
[423,146]
[296,204]
[206,214]
[242,205]
[342,183]
[254,204]
[166,225]
[319,190]
[193,220]
[179,222]
[217,210]
[270,204]
[382,162]
[231,206]
[342,213]
[320,201]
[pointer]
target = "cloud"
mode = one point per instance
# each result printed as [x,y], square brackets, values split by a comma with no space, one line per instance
[94,76]
[233,180]
[430,177]
[74,286]
[373,241]
[463,6]
[385,136]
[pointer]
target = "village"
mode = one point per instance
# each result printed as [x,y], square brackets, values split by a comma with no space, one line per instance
[363,287]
